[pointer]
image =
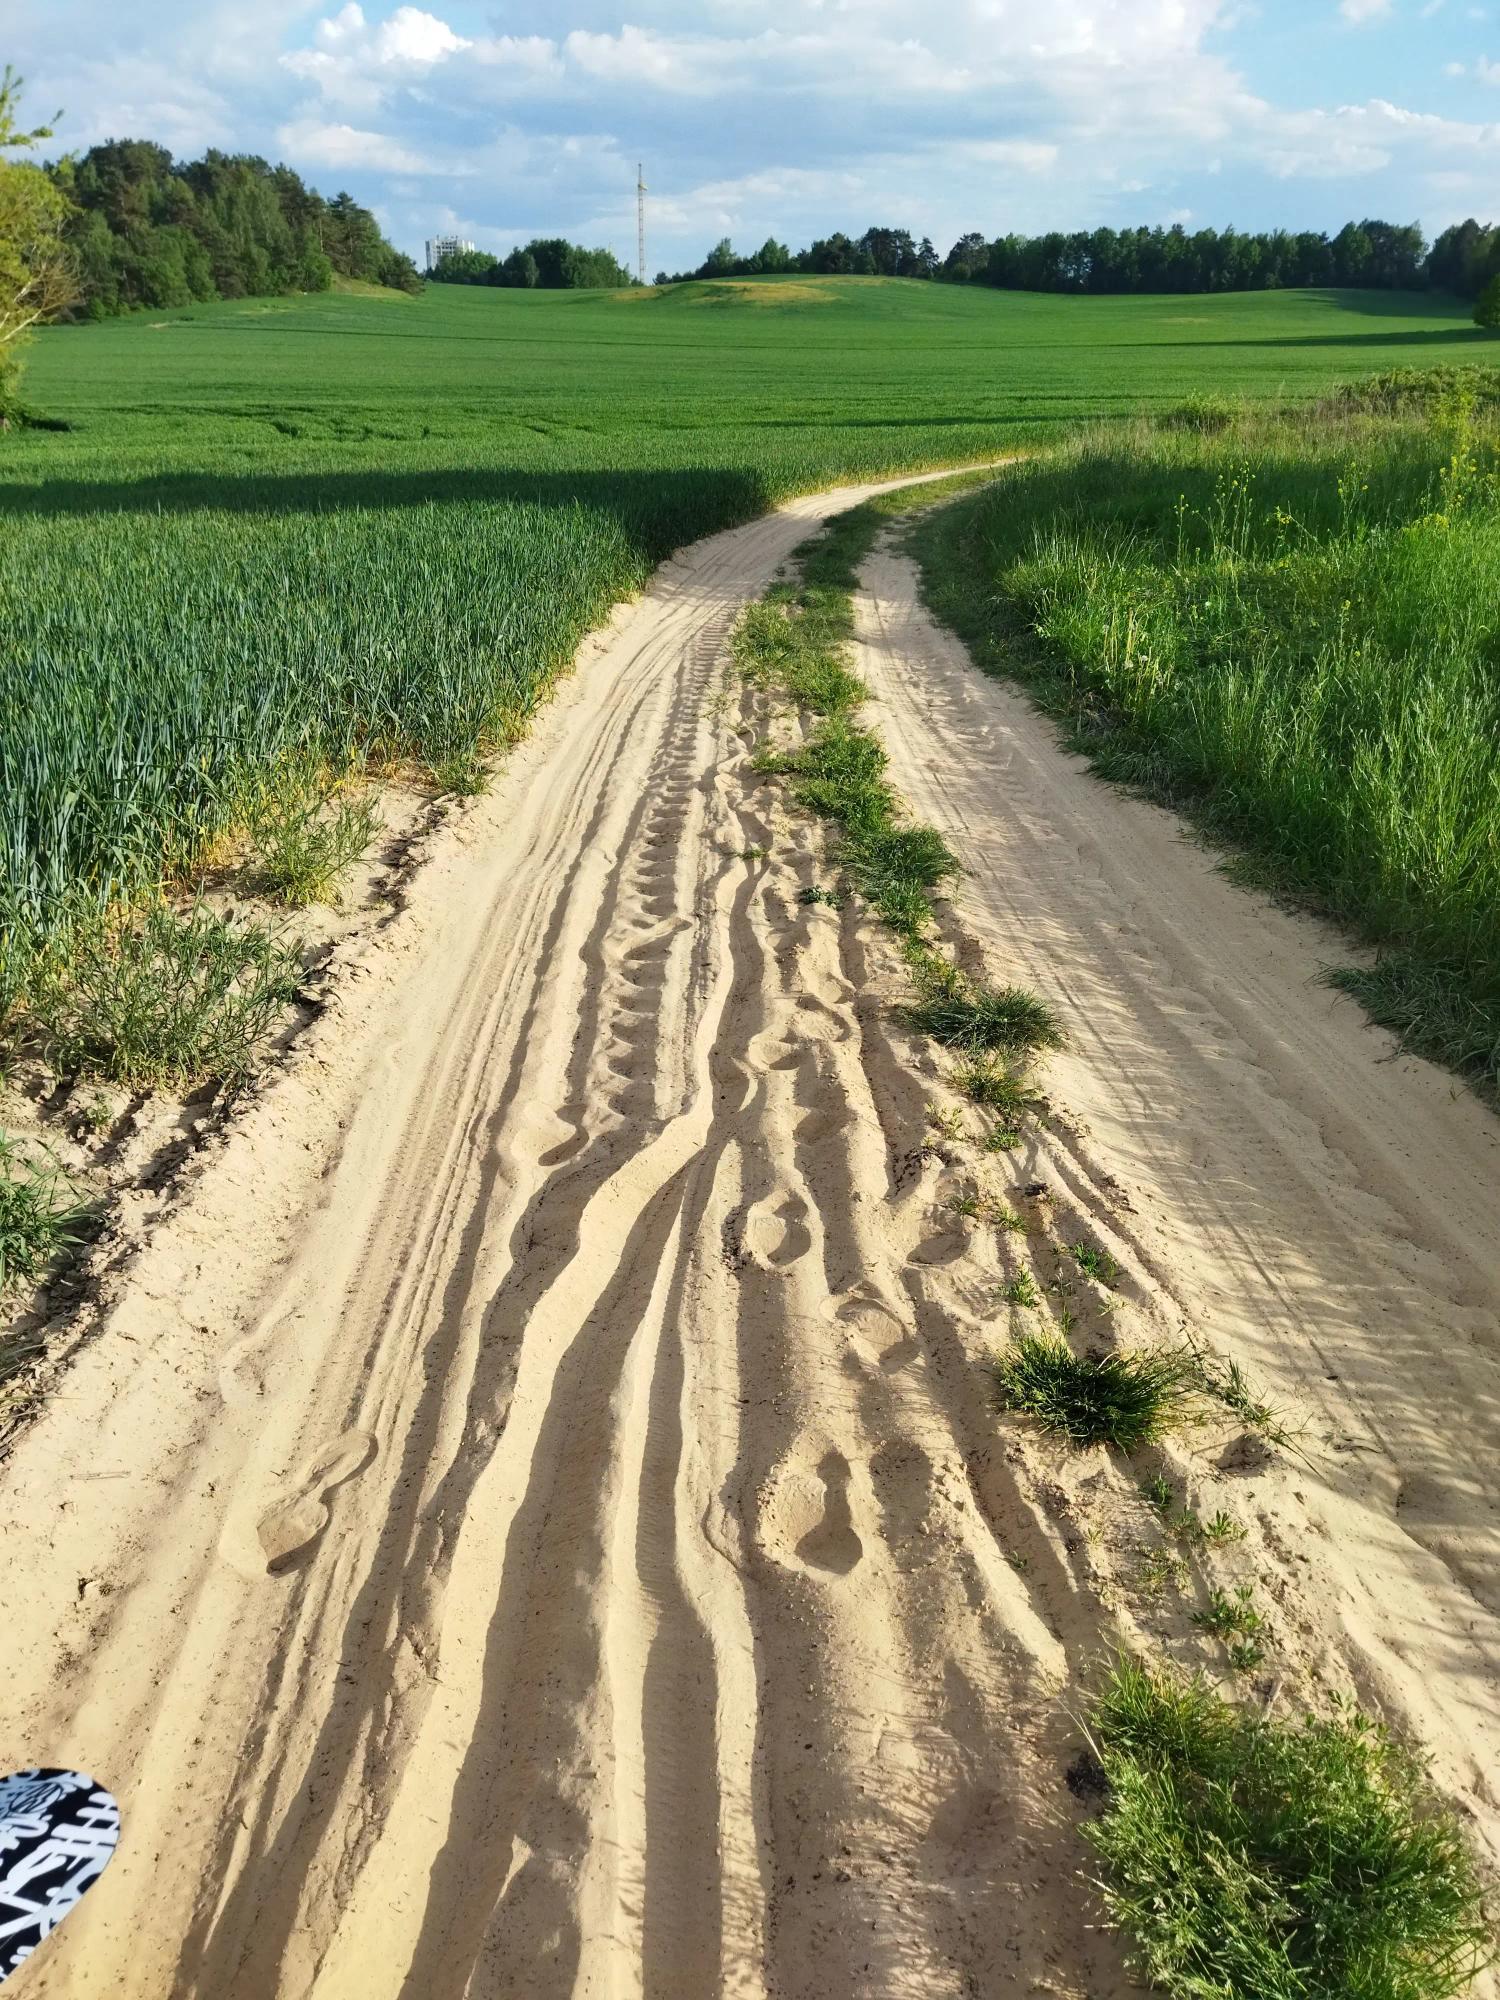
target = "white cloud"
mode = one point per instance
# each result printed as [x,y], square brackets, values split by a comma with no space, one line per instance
[1027,156]
[792,116]
[307,143]
[1359,139]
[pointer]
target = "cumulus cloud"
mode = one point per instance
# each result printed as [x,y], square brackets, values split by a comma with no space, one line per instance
[792,116]
[309,143]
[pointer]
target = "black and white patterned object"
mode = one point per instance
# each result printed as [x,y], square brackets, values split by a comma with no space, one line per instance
[58,1830]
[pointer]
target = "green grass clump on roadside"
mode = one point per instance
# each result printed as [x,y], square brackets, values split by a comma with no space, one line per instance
[1125,1400]
[152,998]
[982,1020]
[793,642]
[1288,628]
[1249,1859]
[42,1216]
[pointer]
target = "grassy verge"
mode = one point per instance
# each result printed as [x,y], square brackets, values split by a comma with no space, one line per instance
[1249,1859]
[1286,628]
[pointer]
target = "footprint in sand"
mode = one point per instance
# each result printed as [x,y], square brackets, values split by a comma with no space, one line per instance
[902,1476]
[817,1127]
[807,1518]
[776,1232]
[878,1335]
[290,1529]
[833,1544]
[946,1247]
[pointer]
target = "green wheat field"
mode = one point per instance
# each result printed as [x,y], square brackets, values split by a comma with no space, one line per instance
[353,530]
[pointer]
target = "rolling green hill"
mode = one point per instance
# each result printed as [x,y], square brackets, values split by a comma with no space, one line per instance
[333,528]
[758,353]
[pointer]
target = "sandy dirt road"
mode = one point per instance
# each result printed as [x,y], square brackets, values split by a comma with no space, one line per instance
[530,1523]
[1324,1207]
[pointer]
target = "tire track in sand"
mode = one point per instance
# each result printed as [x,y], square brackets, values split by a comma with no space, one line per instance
[494,1723]
[1298,1190]
[673,1618]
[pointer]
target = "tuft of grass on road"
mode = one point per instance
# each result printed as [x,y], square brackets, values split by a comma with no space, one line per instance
[1250,1859]
[1126,1400]
[981,1020]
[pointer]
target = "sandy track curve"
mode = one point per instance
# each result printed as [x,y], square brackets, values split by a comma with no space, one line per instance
[530,1523]
[1325,1208]
[462,1546]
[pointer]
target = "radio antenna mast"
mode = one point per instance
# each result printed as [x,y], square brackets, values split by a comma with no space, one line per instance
[640,220]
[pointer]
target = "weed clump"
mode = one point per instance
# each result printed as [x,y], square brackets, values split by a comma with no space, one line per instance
[1095,1263]
[42,1216]
[981,1020]
[1230,1617]
[1252,1860]
[995,1084]
[1021,1291]
[159,999]
[1126,1400]
[1227,1384]
[304,849]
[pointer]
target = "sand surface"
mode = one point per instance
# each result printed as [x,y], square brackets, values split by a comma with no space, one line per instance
[531,1523]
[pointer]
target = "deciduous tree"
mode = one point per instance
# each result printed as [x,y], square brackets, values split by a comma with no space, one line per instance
[36,276]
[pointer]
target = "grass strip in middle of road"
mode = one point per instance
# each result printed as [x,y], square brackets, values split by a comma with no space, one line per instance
[795,643]
[1240,1856]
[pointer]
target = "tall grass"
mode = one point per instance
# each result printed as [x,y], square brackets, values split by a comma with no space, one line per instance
[1292,628]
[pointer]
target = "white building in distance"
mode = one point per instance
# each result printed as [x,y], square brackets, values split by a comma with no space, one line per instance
[439,247]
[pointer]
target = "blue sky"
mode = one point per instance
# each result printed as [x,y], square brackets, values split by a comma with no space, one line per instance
[801,116]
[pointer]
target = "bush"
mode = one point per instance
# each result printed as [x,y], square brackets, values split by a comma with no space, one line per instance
[1487,306]
[1401,390]
[1253,1860]
[1203,413]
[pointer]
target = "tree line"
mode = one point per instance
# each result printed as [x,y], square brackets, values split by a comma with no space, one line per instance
[145,230]
[1369,255]
[546,263]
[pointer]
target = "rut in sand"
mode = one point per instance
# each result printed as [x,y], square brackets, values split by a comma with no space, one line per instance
[544,1532]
